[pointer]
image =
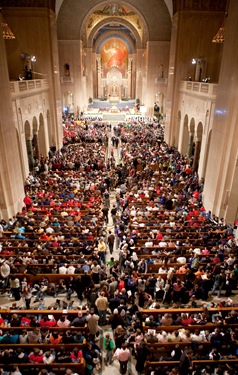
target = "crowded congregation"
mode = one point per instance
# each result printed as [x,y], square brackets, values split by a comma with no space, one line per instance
[114,262]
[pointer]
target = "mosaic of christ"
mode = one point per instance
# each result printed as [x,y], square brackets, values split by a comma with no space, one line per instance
[114,53]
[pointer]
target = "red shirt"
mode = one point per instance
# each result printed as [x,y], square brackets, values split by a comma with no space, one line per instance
[121,285]
[36,358]
[48,323]
[186,322]
[27,200]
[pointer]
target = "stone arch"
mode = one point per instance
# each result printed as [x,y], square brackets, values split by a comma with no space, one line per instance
[185,136]
[199,131]
[198,144]
[43,149]
[191,144]
[192,126]
[29,148]
[35,141]
[109,35]
[27,130]
[138,40]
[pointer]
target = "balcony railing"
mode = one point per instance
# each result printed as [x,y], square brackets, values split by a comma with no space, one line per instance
[202,89]
[17,88]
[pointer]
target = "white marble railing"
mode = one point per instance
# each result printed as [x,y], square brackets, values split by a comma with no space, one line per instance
[18,88]
[202,89]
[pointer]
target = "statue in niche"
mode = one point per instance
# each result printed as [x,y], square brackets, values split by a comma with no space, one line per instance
[161,71]
[66,70]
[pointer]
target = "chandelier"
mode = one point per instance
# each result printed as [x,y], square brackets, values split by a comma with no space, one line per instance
[6,31]
[220,35]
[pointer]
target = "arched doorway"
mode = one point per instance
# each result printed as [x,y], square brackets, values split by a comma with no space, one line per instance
[29,148]
[35,142]
[43,144]
[184,146]
[191,144]
[198,144]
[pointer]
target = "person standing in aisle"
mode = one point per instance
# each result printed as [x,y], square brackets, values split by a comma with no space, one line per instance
[110,241]
[123,355]
[109,347]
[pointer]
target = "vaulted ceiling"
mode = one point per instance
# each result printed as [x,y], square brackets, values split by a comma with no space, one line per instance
[144,20]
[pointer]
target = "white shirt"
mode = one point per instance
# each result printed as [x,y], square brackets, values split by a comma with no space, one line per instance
[5,270]
[71,270]
[162,244]
[122,354]
[49,230]
[62,270]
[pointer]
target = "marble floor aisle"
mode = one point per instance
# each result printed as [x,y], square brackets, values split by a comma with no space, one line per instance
[114,368]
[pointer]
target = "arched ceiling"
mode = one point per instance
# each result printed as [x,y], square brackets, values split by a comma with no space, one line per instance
[151,19]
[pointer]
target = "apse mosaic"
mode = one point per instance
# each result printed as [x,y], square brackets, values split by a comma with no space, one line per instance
[114,10]
[114,53]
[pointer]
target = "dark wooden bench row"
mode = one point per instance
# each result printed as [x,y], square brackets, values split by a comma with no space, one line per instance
[55,313]
[52,277]
[58,368]
[191,328]
[190,310]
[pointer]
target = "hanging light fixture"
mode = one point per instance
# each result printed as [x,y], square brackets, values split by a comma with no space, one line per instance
[220,35]
[6,31]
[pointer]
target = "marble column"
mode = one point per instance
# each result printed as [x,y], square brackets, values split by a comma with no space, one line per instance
[99,81]
[11,177]
[129,83]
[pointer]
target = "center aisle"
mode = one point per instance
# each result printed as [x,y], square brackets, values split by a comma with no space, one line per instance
[114,368]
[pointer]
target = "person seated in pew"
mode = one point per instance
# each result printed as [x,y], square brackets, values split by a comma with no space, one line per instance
[63,322]
[63,355]
[49,357]
[151,337]
[34,336]
[79,321]
[166,320]
[36,356]
[79,338]
[20,356]
[47,322]
[68,337]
